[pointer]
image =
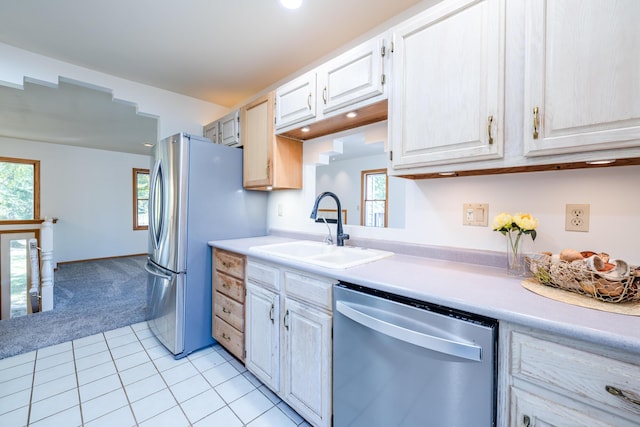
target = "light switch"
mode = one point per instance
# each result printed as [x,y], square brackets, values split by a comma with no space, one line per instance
[475,214]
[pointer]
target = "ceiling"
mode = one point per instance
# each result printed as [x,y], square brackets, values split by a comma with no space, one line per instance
[219,51]
[222,52]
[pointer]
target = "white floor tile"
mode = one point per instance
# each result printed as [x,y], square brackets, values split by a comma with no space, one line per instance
[144,333]
[14,401]
[69,417]
[179,373]
[274,417]
[53,360]
[84,341]
[157,352]
[16,384]
[118,332]
[220,374]
[93,360]
[222,417]
[127,349]
[89,349]
[202,405]
[138,373]
[54,349]
[17,417]
[150,342]
[190,387]
[131,360]
[235,388]
[54,373]
[152,405]
[250,406]
[289,412]
[96,372]
[51,388]
[145,387]
[202,352]
[140,326]
[16,372]
[122,417]
[20,359]
[53,405]
[104,404]
[171,418]
[208,361]
[121,340]
[167,361]
[99,387]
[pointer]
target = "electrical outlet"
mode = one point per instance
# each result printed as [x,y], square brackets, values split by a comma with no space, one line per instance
[577,218]
[475,214]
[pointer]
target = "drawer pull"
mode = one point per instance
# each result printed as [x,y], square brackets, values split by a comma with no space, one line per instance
[226,285]
[526,421]
[226,310]
[535,122]
[286,320]
[226,264]
[619,393]
[271,313]
[226,337]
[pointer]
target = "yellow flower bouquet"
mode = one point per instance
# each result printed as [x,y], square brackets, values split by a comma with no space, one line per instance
[514,226]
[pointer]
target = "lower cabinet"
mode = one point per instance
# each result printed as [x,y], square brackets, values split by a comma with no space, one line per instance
[553,381]
[288,337]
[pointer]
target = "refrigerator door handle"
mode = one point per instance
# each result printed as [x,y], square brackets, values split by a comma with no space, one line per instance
[151,270]
[154,228]
[431,342]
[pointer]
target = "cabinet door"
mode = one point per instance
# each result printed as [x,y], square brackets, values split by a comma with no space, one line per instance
[257,134]
[307,362]
[581,76]
[211,132]
[230,129]
[354,76]
[448,85]
[296,101]
[262,335]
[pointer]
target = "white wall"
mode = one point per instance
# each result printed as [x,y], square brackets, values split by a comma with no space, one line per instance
[90,192]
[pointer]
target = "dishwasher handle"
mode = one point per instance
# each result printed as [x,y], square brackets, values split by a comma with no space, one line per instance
[441,345]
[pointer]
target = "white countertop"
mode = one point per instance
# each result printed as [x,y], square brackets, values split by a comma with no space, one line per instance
[487,291]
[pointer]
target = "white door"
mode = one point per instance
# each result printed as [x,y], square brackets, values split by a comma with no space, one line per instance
[262,335]
[14,277]
[296,101]
[448,85]
[307,362]
[582,65]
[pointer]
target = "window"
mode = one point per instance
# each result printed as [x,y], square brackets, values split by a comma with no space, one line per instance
[140,199]
[374,198]
[19,191]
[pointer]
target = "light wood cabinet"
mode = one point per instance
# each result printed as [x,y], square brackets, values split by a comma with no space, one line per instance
[225,130]
[447,102]
[228,317]
[271,162]
[289,341]
[553,381]
[581,80]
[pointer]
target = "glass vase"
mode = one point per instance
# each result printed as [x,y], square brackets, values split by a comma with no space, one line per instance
[516,262]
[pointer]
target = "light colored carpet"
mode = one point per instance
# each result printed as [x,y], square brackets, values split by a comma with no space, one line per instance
[89,297]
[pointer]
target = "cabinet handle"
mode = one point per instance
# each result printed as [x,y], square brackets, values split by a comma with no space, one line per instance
[619,393]
[286,317]
[526,421]
[225,285]
[271,313]
[489,122]
[309,101]
[226,337]
[535,122]
[324,95]
[226,310]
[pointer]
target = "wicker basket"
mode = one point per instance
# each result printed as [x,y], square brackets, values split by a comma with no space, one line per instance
[577,277]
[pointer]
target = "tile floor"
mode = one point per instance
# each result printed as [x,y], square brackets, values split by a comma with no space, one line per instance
[125,377]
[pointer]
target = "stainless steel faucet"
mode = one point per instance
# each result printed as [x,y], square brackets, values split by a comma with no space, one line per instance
[340,235]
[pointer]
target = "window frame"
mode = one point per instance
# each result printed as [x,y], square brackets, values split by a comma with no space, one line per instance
[136,172]
[363,192]
[36,192]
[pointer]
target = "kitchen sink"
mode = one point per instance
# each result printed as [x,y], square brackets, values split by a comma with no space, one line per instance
[322,254]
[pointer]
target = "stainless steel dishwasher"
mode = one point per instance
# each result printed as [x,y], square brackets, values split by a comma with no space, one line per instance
[402,362]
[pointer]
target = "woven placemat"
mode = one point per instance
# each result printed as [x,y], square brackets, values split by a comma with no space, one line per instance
[629,308]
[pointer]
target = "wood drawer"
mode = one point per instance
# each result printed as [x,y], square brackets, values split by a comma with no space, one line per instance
[263,274]
[576,373]
[309,289]
[229,286]
[229,310]
[229,262]
[229,337]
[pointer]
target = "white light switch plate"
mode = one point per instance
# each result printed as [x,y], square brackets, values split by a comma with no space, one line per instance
[475,214]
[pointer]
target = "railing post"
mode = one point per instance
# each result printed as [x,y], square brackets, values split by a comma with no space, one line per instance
[46,265]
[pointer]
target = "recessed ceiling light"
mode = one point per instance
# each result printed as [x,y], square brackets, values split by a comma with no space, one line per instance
[291,4]
[601,162]
[305,129]
[147,144]
[446,173]
[352,114]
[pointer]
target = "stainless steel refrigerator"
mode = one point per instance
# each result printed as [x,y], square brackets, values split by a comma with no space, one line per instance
[196,195]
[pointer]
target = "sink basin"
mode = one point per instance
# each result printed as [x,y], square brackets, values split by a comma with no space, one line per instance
[321,254]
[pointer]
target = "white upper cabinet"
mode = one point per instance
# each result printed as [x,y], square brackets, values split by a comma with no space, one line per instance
[582,76]
[447,85]
[230,129]
[296,101]
[354,76]
[211,131]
